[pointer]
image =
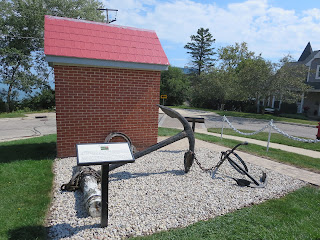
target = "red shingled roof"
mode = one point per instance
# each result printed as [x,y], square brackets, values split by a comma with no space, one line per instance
[85,39]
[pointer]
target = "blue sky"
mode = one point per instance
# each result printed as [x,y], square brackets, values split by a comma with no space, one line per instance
[273,28]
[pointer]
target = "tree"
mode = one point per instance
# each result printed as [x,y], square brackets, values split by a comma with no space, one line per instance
[18,20]
[290,79]
[175,85]
[22,64]
[256,79]
[201,50]
[248,76]
[41,100]
[230,56]
[209,91]
[261,80]
[79,9]
[229,59]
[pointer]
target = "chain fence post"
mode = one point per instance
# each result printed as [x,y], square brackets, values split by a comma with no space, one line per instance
[222,126]
[270,123]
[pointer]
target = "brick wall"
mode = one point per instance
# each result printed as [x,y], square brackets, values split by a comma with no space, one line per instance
[92,102]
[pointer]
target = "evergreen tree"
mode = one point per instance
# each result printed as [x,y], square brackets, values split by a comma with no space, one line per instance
[201,49]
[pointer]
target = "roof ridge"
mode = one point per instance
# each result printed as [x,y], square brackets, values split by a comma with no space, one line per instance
[98,23]
[306,53]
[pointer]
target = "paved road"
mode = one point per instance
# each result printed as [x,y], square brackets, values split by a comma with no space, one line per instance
[30,126]
[213,120]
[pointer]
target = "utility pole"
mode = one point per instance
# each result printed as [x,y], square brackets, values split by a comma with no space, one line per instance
[107,13]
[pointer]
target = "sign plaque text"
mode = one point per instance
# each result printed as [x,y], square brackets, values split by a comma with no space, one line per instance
[103,153]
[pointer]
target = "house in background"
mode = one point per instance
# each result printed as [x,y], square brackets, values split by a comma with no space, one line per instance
[311,99]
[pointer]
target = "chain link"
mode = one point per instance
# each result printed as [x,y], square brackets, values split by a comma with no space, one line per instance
[214,168]
[247,134]
[202,168]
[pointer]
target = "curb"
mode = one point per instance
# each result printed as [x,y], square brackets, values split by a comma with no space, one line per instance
[298,124]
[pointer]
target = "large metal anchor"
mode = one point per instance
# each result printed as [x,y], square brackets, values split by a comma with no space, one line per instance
[240,169]
[187,132]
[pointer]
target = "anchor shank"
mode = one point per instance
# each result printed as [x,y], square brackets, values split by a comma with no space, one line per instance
[161,144]
[154,147]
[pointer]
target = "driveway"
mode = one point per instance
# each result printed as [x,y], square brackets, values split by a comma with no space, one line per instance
[30,126]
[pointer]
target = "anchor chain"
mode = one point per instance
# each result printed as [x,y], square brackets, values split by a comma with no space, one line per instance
[201,167]
[215,168]
[75,181]
[223,157]
[240,169]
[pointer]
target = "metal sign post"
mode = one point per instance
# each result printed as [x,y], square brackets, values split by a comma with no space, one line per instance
[104,194]
[104,154]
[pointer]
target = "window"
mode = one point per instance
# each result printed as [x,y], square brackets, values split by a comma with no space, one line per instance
[318,72]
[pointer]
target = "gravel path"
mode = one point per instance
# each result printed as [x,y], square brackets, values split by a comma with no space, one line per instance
[154,194]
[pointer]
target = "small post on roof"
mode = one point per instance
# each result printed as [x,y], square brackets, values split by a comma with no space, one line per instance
[107,12]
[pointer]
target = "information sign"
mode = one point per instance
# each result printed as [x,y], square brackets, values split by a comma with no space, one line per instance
[103,153]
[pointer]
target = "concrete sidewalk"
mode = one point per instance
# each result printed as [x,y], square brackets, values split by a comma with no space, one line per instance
[288,170]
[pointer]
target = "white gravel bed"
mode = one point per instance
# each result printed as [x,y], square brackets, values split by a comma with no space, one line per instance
[154,194]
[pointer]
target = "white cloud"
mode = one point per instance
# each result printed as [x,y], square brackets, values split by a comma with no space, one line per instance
[267,30]
[312,13]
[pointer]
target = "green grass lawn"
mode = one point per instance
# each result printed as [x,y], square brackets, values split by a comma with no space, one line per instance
[12,115]
[20,113]
[263,136]
[25,186]
[256,116]
[295,216]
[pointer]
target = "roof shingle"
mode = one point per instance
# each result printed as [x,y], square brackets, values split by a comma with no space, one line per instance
[85,39]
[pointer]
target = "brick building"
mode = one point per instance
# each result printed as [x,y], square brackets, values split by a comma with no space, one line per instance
[107,79]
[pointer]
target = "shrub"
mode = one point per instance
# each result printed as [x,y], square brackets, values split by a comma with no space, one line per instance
[175,85]
[2,106]
[290,108]
[43,100]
